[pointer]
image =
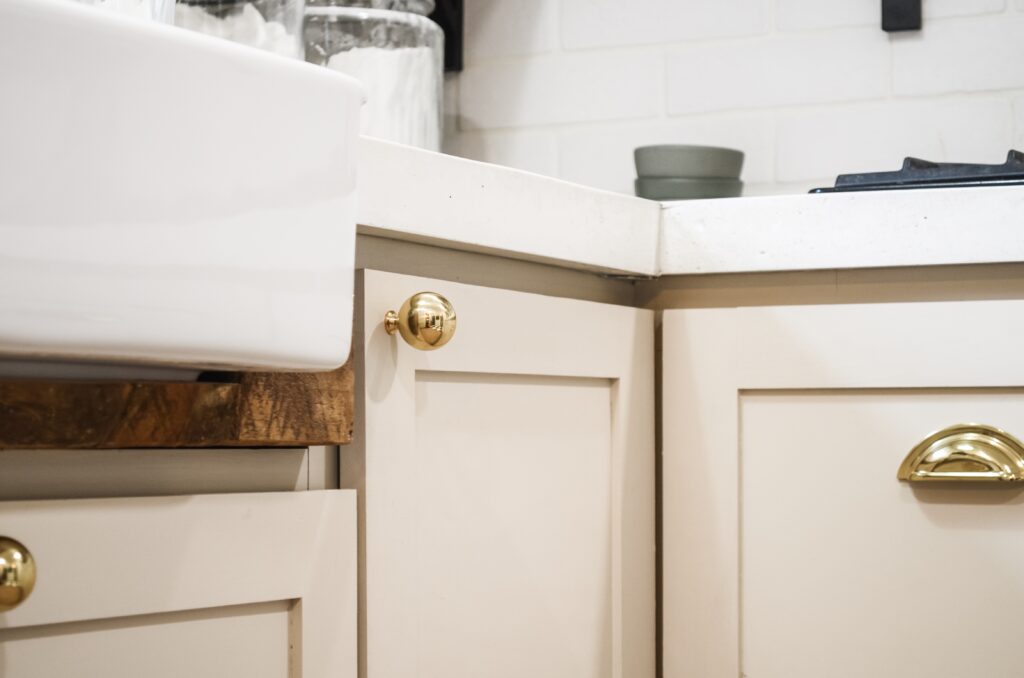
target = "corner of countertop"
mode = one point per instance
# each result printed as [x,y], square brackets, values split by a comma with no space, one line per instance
[434,198]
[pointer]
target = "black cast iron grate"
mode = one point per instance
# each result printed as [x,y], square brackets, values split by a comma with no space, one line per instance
[917,173]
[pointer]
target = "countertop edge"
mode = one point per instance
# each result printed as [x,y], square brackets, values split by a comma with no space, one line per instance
[463,204]
[925,227]
[436,199]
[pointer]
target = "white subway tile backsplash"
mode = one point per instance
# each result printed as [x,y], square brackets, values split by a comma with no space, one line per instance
[503,28]
[531,151]
[603,156]
[450,105]
[802,15]
[985,53]
[570,87]
[781,70]
[613,23]
[750,190]
[938,9]
[877,137]
[1018,122]
[562,88]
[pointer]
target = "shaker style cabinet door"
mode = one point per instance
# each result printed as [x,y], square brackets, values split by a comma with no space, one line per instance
[254,585]
[791,548]
[508,479]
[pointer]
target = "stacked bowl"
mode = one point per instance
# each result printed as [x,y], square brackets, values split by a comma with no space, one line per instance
[680,172]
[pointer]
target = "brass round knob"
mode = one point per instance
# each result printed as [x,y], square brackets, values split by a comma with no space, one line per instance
[426,321]
[17,573]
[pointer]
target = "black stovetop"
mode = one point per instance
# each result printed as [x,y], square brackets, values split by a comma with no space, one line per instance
[917,173]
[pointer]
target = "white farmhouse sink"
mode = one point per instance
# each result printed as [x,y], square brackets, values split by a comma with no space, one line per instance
[169,199]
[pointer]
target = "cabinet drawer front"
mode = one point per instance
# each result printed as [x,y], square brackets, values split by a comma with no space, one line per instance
[845,571]
[269,575]
[791,549]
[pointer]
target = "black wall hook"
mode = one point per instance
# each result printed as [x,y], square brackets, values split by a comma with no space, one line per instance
[901,15]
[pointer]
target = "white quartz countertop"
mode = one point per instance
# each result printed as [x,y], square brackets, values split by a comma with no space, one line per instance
[415,195]
[924,227]
[409,194]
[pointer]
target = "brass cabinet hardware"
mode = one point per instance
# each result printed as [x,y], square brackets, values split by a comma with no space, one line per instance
[17,573]
[426,321]
[965,453]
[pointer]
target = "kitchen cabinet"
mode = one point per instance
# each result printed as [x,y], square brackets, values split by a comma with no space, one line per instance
[790,548]
[256,585]
[506,483]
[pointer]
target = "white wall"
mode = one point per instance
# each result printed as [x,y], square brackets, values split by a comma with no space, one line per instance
[808,88]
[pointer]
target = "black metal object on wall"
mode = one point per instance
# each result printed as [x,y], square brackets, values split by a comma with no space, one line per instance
[448,15]
[901,15]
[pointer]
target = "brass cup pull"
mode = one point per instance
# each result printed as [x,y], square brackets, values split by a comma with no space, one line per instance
[17,574]
[965,453]
[426,321]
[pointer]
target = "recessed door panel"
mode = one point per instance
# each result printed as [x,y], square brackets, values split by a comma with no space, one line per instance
[847,572]
[243,640]
[514,528]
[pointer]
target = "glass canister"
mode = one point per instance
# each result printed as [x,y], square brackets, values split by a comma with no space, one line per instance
[395,51]
[271,25]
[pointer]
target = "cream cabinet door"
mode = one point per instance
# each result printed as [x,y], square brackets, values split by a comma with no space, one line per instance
[791,550]
[508,480]
[254,585]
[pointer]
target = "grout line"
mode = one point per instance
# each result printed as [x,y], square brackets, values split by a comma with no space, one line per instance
[663,93]
[622,124]
[559,26]
[771,33]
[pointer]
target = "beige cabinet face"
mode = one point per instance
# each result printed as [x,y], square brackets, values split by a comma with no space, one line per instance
[847,572]
[791,549]
[256,585]
[509,488]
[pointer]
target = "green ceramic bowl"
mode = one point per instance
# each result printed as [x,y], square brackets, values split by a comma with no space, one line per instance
[691,162]
[671,188]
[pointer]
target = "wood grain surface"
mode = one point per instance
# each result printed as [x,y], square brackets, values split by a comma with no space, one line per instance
[253,410]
